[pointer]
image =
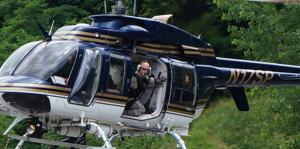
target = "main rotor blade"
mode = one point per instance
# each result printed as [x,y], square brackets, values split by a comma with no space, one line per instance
[239,97]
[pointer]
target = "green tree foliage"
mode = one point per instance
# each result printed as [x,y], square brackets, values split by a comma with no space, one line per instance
[263,31]
[266,32]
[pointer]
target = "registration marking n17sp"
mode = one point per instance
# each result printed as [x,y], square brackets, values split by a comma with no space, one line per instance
[247,76]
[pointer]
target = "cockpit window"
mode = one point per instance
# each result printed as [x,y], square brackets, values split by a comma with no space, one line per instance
[55,59]
[11,63]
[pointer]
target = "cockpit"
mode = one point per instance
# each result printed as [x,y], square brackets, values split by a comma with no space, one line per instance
[42,60]
[61,63]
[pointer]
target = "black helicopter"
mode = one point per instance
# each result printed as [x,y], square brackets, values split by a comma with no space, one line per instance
[77,80]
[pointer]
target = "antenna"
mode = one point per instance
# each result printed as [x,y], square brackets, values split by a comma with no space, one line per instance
[50,31]
[134,8]
[105,8]
[118,8]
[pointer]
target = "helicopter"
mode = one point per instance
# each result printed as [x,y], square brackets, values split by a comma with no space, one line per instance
[77,80]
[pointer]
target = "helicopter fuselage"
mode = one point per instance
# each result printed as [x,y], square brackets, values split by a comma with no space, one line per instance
[34,86]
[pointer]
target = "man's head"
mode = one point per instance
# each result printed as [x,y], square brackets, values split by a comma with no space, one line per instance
[144,68]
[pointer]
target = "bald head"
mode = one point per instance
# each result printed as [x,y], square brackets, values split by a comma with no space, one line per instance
[144,69]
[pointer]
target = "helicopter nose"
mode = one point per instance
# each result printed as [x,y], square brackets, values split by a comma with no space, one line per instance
[27,102]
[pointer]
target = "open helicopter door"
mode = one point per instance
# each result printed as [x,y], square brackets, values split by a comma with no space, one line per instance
[86,83]
[182,104]
[115,79]
[153,96]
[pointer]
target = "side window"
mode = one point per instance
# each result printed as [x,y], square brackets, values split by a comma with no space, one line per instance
[85,87]
[183,86]
[67,66]
[62,75]
[116,75]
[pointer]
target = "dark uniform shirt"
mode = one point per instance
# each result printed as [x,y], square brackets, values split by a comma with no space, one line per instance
[137,86]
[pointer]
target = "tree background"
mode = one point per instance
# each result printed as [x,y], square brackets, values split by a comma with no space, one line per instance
[235,28]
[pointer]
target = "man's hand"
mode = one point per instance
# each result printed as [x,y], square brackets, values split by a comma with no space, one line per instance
[160,80]
[150,78]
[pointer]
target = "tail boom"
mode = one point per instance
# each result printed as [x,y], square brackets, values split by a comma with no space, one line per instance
[236,77]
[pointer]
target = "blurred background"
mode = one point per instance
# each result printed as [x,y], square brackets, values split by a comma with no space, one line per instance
[235,29]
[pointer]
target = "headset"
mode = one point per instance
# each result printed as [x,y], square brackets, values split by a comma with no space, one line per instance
[139,66]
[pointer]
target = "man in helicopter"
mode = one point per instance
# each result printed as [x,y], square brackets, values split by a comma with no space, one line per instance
[139,82]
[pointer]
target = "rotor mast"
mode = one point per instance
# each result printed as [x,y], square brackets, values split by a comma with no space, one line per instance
[119,7]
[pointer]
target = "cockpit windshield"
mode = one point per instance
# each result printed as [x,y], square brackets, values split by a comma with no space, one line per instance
[47,60]
[13,60]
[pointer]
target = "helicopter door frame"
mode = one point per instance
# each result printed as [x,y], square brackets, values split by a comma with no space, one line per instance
[112,101]
[161,91]
[112,82]
[178,110]
[87,80]
[115,82]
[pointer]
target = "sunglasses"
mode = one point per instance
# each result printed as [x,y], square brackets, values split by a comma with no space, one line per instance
[145,69]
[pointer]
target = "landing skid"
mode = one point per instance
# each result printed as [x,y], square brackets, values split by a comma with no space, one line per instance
[55,143]
[91,127]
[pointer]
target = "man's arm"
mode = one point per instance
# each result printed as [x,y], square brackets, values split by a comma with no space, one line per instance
[134,83]
[134,87]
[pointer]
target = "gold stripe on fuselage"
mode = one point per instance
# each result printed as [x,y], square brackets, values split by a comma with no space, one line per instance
[160,46]
[185,47]
[76,33]
[34,85]
[41,88]
[111,37]
[30,90]
[103,41]
[158,50]
[110,101]
[112,96]
[150,47]
[173,51]
[199,53]
[22,89]
[186,114]
[181,111]
[97,35]
[181,107]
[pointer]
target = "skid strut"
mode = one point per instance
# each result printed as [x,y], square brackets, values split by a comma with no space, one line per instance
[99,133]
[178,139]
[21,142]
